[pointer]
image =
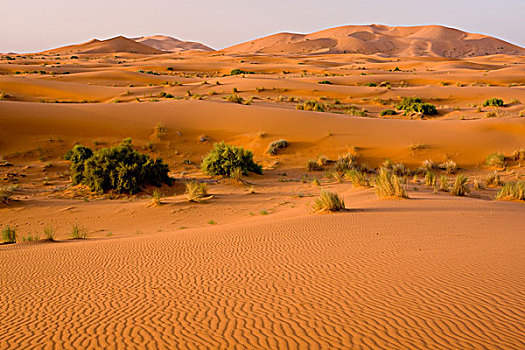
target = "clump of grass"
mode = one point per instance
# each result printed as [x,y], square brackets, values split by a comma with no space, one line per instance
[49,233]
[196,192]
[388,112]
[235,98]
[6,193]
[460,187]
[418,147]
[357,178]
[398,169]
[494,179]
[328,202]
[443,183]
[518,154]
[9,235]
[313,165]
[427,165]
[212,222]
[491,114]
[493,102]
[512,191]
[449,166]
[276,146]
[315,182]
[157,195]
[78,232]
[477,184]
[496,160]
[388,184]
[430,178]
[311,105]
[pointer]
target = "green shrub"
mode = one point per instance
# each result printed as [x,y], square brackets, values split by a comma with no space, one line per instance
[430,178]
[120,168]
[388,184]
[328,202]
[357,178]
[512,191]
[415,105]
[312,165]
[78,232]
[496,160]
[223,159]
[494,179]
[196,192]
[443,183]
[238,71]
[387,112]
[371,84]
[49,233]
[346,163]
[493,102]
[460,187]
[311,105]
[9,235]
[6,193]
[235,98]
[276,146]
[327,82]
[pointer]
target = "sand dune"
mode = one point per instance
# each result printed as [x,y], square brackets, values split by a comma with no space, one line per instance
[437,41]
[169,44]
[113,45]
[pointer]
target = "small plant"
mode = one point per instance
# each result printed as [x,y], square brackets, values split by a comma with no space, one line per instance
[328,202]
[316,182]
[276,146]
[388,184]
[357,178]
[160,131]
[9,235]
[443,183]
[430,178]
[304,178]
[387,112]
[496,160]
[519,154]
[512,191]
[235,98]
[449,166]
[494,179]
[78,232]
[477,184]
[311,105]
[460,187]
[49,233]
[157,195]
[493,102]
[196,192]
[6,193]
[212,222]
[491,114]
[223,159]
[312,165]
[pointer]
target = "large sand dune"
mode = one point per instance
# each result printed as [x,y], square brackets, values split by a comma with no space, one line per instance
[169,44]
[437,41]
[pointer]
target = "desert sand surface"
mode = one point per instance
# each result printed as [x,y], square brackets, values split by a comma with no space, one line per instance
[253,267]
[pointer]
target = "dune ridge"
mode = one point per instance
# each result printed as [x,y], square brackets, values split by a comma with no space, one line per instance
[170,44]
[430,40]
[112,45]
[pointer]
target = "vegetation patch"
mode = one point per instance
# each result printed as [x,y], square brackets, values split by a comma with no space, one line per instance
[238,71]
[328,202]
[512,191]
[493,102]
[412,105]
[224,159]
[276,146]
[8,235]
[388,184]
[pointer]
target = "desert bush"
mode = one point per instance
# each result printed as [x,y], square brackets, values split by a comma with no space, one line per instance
[6,193]
[120,168]
[223,159]
[316,182]
[235,98]
[9,235]
[491,114]
[160,131]
[328,202]
[311,105]
[238,71]
[518,154]
[387,112]
[494,179]
[477,184]
[430,178]
[388,184]
[415,105]
[398,169]
[276,146]
[326,82]
[449,166]
[313,165]
[496,160]
[345,163]
[512,191]
[78,232]
[196,192]
[443,183]
[371,84]
[426,165]
[357,178]
[493,102]
[460,187]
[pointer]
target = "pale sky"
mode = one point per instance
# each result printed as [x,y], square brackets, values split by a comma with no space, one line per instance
[36,25]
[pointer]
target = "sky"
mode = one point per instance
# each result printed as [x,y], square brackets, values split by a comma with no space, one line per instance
[36,25]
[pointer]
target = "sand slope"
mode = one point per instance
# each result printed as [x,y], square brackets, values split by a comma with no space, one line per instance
[113,45]
[169,44]
[391,275]
[431,40]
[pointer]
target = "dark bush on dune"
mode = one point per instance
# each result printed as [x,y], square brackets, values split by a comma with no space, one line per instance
[238,71]
[224,160]
[415,105]
[493,102]
[119,168]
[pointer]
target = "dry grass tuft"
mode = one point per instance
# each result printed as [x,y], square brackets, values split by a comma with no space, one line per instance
[512,191]
[328,202]
[460,187]
[196,192]
[388,184]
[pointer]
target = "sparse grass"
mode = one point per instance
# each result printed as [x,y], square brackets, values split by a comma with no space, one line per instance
[276,146]
[418,147]
[430,178]
[311,105]
[358,178]
[235,98]
[443,183]
[6,193]
[477,184]
[49,233]
[494,179]
[9,235]
[387,184]
[491,114]
[518,154]
[313,165]
[156,197]
[78,232]
[315,182]
[196,192]
[496,160]
[460,187]
[328,202]
[449,166]
[512,191]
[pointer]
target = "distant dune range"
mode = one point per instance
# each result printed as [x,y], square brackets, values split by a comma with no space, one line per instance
[427,41]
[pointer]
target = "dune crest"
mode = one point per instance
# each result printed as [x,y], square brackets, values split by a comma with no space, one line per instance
[431,41]
[113,45]
[170,44]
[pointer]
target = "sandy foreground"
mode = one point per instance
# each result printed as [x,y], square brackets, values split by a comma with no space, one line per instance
[253,268]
